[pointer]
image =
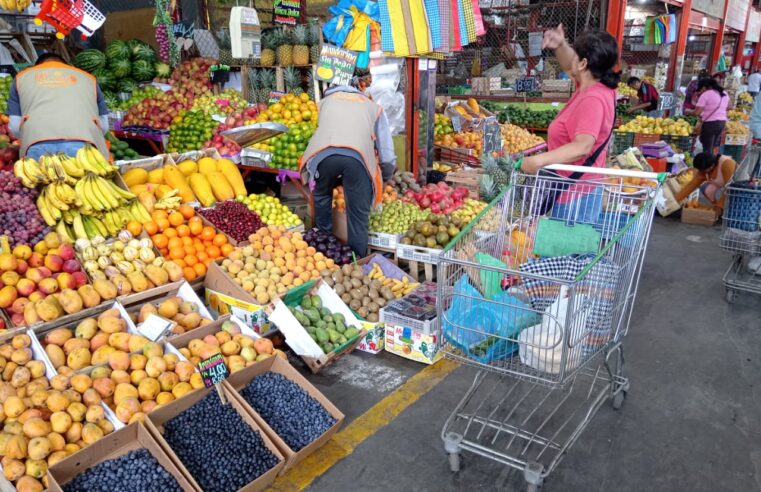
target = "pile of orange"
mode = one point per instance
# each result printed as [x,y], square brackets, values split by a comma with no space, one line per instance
[182,237]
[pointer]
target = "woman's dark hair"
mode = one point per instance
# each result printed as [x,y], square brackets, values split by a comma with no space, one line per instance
[49,57]
[711,84]
[704,161]
[601,52]
[632,80]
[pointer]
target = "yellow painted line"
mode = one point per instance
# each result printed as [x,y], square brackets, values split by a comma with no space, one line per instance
[379,416]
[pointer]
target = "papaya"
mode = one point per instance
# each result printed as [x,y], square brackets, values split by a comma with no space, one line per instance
[135,176]
[219,185]
[156,176]
[350,333]
[202,189]
[312,314]
[207,165]
[232,174]
[322,335]
[174,178]
[187,167]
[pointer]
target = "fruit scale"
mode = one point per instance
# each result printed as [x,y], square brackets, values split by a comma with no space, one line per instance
[66,15]
[545,323]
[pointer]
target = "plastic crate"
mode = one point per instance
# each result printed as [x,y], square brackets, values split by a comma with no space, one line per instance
[736,152]
[643,138]
[621,142]
[383,240]
[418,253]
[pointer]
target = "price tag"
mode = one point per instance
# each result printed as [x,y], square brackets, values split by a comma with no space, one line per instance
[213,370]
[526,84]
[154,327]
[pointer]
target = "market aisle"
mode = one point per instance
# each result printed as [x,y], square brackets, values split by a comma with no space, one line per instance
[691,421]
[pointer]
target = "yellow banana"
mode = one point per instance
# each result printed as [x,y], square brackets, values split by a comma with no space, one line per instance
[34,171]
[100,161]
[83,159]
[105,191]
[44,211]
[119,192]
[71,166]
[54,201]
[63,231]
[92,195]
[18,170]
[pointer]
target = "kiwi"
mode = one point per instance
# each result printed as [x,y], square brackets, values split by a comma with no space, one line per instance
[338,276]
[362,312]
[356,294]
[325,273]
[366,281]
[346,297]
[373,307]
[340,289]
[355,304]
[366,301]
[373,294]
[376,284]
[372,317]
[380,301]
[329,281]
[357,273]
[347,269]
[356,283]
[364,290]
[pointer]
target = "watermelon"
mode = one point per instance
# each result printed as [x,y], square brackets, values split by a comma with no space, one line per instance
[126,85]
[105,78]
[90,60]
[120,67]
[163,70]
[132,44]
[117,50]
[143,51]
[142,70]
[112,100]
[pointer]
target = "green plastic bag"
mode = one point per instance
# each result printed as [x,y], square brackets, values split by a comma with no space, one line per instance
[558,238]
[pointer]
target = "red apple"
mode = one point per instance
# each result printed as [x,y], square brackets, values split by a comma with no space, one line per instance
[66,281]
[80,278]
[26,286]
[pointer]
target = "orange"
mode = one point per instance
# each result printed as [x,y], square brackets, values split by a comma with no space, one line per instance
[195,219]
[226,249]
[160,240]
[200,248]
[207,244]
[174,242]
[159,214]
[200,269]
[162,224]
[180,262]
[207,261]
[191,260]
[208,233]
[134,227]
[187,211]
[213,251]
[176,218]
[195,227]
[150,227]
[176,253]
[164,252]
[201,255]
[189,250]
[183,230]
[219,240]
[186,241]
[170,232]
[190,274]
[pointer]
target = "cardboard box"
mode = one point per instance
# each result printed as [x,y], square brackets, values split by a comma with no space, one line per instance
[240,379]
[223,296]
[156,420]
[699,216]
[373,341]
[413,344]
[298,338]
[134,436]
[182,341]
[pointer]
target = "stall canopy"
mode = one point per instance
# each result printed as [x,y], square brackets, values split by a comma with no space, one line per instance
[737,13]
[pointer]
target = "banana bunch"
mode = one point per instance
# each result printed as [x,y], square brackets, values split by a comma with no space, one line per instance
[400,288]
[98,194]
[170,201]
[90,159]
[14,5]
[29,172]
[108,224]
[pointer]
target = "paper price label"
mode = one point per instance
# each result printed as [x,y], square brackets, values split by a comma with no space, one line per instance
[213,370]
[154,327]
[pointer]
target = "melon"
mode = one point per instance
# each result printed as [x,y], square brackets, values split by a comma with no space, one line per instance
[142,70]
[120,67]
[105,79]
[126,85]
[90,60]
[118,50]
[163,70]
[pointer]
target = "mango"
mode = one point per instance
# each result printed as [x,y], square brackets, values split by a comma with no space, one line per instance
[156,176]
[91,433]
[156,274]
[71,301]
[138,281]
[100,356]
[174,178]
[187,167]
[95,414]
[13,469]
[200,185]
[79,358]
[220,187]
[90,296]
[137,343]
[127,408]
[233,176]
[59,336]
[124,390]
[75,343]
[135,176]
[105,289]
[56,355]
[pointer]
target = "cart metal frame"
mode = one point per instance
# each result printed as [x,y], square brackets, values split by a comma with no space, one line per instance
[531,400]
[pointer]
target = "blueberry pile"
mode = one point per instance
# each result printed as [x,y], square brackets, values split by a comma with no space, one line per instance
[292,413]
[217,446]
[135,471]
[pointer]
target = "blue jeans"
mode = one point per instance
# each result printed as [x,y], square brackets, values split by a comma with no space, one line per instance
[583,209]
[68,147]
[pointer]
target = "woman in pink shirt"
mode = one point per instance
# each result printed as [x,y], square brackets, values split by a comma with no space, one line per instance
[581,131]
[711,108]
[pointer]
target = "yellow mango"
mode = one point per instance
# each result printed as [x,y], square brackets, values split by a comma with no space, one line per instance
[156,176]
[135,176]
[221,188]
[207,165]
[187,167]
[232,173]
[174,178]
[202,189]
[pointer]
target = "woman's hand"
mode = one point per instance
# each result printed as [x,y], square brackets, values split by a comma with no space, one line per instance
[553,38]
[531,165]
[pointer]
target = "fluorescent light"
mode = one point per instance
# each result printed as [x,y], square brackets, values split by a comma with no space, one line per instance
[691,38]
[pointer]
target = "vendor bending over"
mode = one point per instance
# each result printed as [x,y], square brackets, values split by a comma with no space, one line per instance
[713,174]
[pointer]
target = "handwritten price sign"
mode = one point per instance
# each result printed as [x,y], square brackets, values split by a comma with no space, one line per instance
[287,12]
[213,370]
[336,65]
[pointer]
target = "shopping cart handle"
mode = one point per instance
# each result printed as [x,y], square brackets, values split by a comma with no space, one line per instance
[660,177]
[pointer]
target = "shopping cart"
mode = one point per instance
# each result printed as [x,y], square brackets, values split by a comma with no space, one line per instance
[66,15]
[741,230]
[545,332]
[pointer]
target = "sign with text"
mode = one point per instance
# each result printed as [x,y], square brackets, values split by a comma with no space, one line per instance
[336,65]
[666,101]
[154,327]
[526,84]
[213,370]
[287,12]
[184,29]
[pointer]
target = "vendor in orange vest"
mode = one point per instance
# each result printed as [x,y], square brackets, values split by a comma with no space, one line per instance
[54,107]
[351,129]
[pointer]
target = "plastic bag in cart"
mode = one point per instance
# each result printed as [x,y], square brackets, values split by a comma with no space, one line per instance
[485,329]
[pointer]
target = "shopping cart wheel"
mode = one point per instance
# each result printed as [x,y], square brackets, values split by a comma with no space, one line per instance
[533,475]
[731,296]
[618,399]
[452,446]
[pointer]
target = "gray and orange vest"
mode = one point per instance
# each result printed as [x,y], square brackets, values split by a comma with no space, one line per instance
[347,120]
[59,102]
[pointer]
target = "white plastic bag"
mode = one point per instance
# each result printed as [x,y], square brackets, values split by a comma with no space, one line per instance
[541,346]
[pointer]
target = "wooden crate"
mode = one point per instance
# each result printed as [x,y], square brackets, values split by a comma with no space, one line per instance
[470,178]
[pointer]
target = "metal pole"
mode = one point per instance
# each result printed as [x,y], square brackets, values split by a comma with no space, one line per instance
[719,40]
[674,79]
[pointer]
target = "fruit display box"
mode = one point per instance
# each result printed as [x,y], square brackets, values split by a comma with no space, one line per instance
[130,438]
[297,337]
[230,239]
[182,289]
[739,139]
[156,420]
[182,341]
[456,155]
[147,163]
[240,379]
[224,296]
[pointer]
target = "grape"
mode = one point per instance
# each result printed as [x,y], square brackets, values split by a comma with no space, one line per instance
[18,212]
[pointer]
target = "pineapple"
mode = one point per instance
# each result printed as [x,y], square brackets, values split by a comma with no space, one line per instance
[268,49]
[266,85]
[292,79]
[489,189]
[225,48]
[284,48]
[495,171]
[300,48]
[310,85]
[253,84]
[314,43]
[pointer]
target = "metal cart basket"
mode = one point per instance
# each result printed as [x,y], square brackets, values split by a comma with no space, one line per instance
[537,293]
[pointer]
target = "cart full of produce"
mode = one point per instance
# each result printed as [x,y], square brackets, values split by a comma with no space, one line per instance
[539,300]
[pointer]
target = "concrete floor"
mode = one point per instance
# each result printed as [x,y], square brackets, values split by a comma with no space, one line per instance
[691,421]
